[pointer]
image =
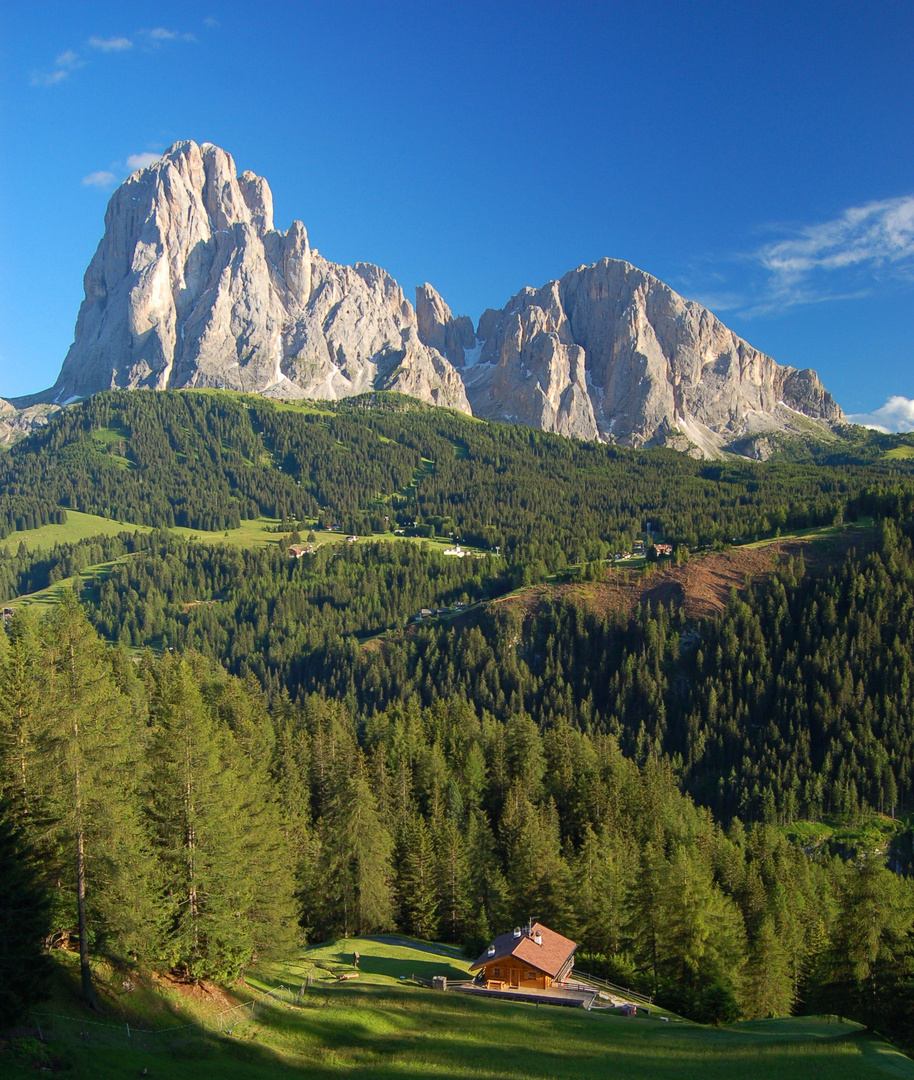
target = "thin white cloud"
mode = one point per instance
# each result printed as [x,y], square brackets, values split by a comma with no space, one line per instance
[140,161]
[210,21]
[71,60]
[102,179]
[65,63]
[896,415]
[863,249]
[875,234]
[159,34]
[47,78]
[112,44]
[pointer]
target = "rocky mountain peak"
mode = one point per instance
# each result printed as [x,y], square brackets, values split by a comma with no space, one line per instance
[611,352]
[193,286]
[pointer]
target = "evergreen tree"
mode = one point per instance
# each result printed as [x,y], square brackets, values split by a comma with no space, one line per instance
[452,873]
[870,954]
[767,989]
[93,748]
[226,888]
[23,686]
[25,914]
[355,887]
[416,888]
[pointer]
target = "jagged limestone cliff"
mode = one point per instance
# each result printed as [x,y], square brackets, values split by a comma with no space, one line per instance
[611,352]
[192,286]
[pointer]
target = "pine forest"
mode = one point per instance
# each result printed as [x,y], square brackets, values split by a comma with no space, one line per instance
[212,752]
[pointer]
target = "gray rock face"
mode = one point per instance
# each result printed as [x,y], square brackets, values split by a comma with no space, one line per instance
[15,423]
[610,352]
[438,327]
[191,286]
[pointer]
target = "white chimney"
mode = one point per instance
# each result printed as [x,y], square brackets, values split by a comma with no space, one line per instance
[538,938]
[517,931]
[491,950]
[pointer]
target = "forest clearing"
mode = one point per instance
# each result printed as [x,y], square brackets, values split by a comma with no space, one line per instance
[384,1024]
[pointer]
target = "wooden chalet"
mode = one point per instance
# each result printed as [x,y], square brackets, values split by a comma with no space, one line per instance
[297,550]
[533,956]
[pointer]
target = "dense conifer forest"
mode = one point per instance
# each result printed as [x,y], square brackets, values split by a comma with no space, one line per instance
[213,752]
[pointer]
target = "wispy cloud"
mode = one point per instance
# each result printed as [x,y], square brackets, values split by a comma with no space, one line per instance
[896,415]
[148,39]
[875,235]
[112,44]
[863,248]
[140,161]
[47,78]
[159,35]
[102,179]
[65,63]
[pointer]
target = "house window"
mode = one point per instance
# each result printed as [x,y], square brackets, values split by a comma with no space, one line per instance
[532,974]
[496,972]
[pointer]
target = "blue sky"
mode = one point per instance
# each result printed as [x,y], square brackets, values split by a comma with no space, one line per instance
[757,157]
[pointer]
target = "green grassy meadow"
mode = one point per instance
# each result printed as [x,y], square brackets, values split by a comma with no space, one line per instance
[382,1025]
[77,527]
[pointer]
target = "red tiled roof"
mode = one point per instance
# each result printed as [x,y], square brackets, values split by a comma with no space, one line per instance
[549,957]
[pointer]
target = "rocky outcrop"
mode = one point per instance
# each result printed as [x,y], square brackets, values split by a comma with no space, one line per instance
[192,286]
[438,327]
[610,352]
[15,423]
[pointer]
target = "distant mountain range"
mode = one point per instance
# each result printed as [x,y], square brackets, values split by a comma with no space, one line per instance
[191,286]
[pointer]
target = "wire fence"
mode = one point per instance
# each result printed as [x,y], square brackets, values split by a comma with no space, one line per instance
[125,1036]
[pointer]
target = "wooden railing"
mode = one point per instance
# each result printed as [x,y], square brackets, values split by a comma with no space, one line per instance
[633,994]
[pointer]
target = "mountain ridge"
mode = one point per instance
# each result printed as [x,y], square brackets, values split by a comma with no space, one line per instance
[192,286]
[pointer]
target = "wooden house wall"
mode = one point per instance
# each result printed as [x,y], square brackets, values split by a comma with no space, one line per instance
[513,973]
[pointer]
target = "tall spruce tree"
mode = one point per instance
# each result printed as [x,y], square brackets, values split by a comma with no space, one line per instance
[356,849]
[416,885]
[225,887]
[93,746]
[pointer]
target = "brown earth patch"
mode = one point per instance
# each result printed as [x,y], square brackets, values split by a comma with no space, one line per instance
[196,989]
[702,585]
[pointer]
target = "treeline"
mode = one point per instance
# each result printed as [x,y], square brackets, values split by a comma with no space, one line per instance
[211,460]
[177,817]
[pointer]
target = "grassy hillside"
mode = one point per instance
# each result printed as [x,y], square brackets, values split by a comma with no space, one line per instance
[382,1025]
